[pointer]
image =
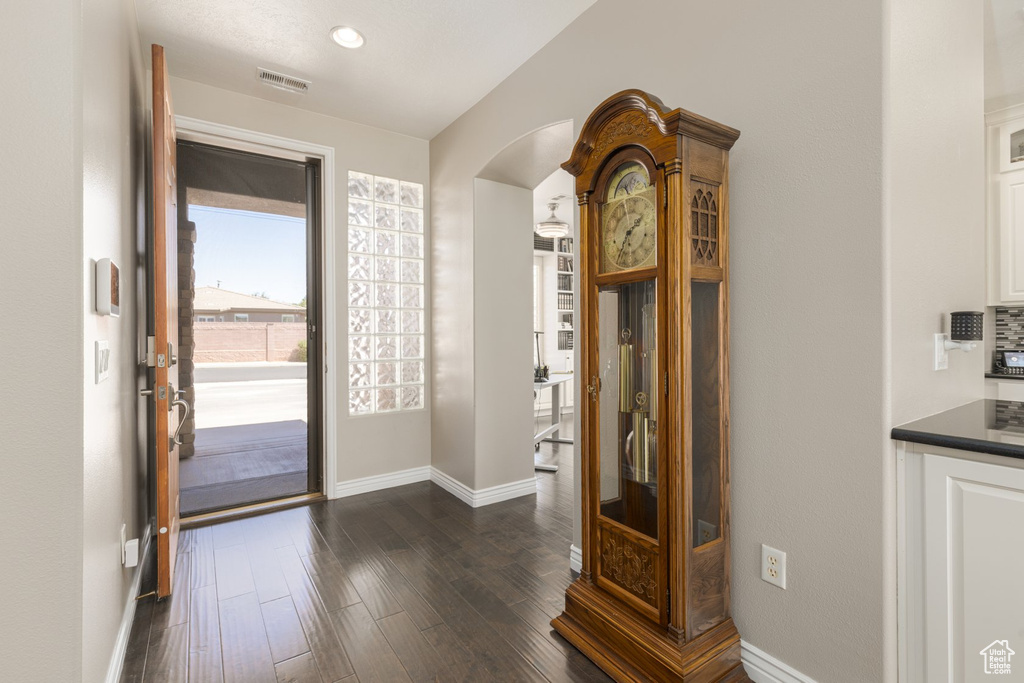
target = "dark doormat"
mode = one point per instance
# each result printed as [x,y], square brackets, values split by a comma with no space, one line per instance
[244,464]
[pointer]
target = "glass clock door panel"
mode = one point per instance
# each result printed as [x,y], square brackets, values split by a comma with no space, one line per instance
[627,410]
[706,407]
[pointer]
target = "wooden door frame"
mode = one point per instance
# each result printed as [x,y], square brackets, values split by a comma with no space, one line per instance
[230,137]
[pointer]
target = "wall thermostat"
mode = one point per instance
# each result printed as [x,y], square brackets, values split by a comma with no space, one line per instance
[108,288]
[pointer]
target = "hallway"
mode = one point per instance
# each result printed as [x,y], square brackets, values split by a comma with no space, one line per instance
[401,584]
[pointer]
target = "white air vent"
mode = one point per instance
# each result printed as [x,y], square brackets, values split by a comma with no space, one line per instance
[281,81]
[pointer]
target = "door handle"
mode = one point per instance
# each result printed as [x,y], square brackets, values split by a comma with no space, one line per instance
[183,404]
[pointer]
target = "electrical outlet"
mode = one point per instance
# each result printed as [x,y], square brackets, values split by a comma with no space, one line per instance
[773,566]
[102,361]
[124,538]
[131,553]
[706,532]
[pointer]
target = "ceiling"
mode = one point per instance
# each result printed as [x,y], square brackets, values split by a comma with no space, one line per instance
[1004,48]
[557,184]
[423,64]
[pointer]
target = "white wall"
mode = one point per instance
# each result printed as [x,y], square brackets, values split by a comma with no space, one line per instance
[367,445]
[40,356]
[115,116]
[503,258]
[802,80]
[935,175]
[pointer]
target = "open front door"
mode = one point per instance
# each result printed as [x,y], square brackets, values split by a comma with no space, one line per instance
[163,265]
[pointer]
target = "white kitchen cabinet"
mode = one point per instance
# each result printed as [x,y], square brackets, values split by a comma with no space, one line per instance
[1008,213]
[1005,206]
[961,563]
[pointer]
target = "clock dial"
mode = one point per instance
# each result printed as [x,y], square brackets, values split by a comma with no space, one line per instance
[629,224]
[630,232]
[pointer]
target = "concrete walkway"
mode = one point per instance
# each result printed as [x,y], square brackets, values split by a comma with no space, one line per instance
[248,372]
[225,404]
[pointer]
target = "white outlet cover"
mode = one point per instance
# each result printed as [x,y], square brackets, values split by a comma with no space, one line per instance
[102,361]
[773,566]
[131,553]
[941,354]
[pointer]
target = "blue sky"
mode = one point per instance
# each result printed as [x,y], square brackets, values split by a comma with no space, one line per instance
[250,252]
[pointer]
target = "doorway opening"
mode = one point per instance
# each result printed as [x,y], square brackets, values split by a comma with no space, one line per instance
[518,188]
[249,246]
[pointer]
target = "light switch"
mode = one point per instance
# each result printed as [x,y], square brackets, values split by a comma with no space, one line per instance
[102,361]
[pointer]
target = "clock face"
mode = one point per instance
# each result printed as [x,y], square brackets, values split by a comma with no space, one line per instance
[629,220]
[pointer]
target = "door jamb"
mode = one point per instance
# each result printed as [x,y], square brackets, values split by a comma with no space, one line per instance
[231,137]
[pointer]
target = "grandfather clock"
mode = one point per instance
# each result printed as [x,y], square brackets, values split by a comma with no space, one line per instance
[652,600]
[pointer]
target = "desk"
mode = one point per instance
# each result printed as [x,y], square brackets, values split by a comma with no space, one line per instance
[550,432]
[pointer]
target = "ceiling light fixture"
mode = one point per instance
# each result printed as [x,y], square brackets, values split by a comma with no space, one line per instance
[346,36]
[552,226]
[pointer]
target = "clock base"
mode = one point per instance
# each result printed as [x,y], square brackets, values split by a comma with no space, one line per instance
[630,648]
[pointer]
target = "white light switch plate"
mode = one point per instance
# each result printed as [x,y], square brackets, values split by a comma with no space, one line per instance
[102,361]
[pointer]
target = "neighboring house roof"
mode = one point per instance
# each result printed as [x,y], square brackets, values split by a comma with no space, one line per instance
[216,299]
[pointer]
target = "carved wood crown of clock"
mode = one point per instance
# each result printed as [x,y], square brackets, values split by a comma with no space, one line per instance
[635,125]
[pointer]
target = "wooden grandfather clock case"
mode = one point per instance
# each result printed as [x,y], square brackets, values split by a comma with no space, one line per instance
[652,599]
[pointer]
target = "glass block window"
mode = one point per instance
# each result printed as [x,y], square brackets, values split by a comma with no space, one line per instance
[386,343]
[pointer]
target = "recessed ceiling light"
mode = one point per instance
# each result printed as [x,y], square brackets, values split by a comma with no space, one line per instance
[346,36]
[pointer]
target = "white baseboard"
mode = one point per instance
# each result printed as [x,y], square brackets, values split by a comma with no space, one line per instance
[480,497]
[471,497]
[575,559]
[354,487]
[763,668]
[128,616]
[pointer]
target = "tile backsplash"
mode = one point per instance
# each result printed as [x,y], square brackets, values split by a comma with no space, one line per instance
[1009,414]
[1010,328]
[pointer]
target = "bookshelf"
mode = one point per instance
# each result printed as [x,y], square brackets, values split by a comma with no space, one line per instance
[565,270]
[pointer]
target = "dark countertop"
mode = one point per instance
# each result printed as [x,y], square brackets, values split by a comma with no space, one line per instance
[985,426]
[993,375]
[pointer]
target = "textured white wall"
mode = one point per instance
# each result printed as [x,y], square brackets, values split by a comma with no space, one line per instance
[115,118]
[803,82]
[935,152]
[41,356]
[367,445]
[503,339]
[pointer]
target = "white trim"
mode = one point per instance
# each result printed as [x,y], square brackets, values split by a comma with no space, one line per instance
[382,481]
[471,497]
[127,617]
[575,559]
[240,138]
[1004,115]
[902,623]
[763,668]
[480,497]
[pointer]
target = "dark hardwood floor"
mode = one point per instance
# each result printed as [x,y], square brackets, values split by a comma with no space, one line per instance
[397,585]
